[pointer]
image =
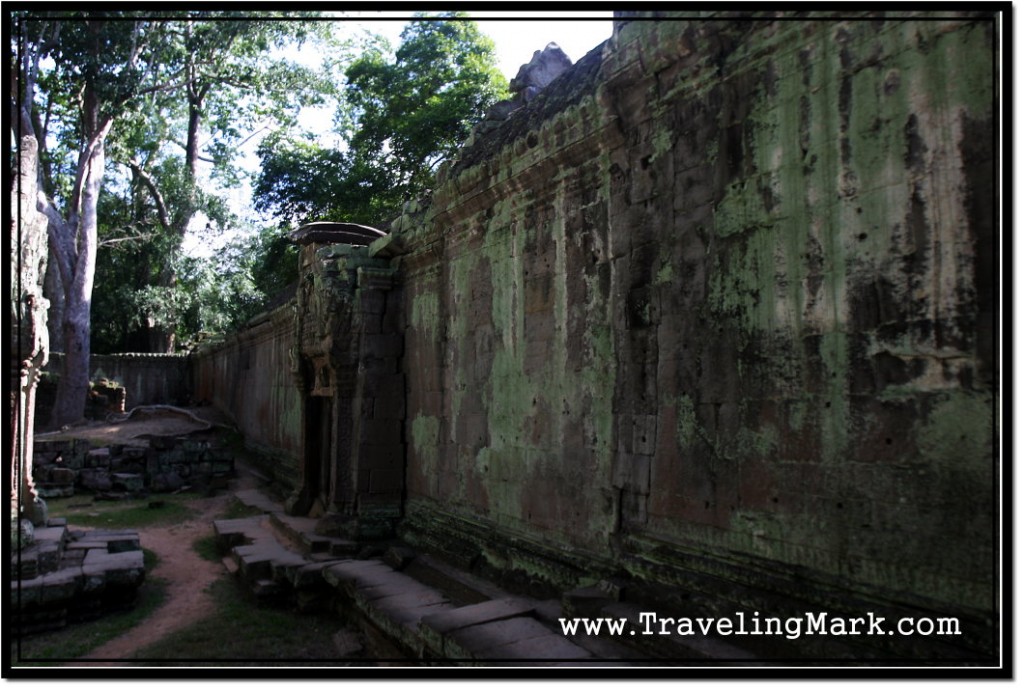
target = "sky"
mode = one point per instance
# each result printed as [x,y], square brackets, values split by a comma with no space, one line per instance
[516,35]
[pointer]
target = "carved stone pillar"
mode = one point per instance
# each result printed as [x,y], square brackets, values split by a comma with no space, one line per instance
[29,339]
[348,350]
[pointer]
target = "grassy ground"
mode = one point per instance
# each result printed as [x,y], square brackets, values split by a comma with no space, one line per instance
[243,632]
[128,513]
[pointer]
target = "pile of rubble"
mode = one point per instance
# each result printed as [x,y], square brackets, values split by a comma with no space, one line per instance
[61,575]
[164,464]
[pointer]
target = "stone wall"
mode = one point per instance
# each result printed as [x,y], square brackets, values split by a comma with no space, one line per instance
[712,312]
[148,378]
[250,376]
[718,304]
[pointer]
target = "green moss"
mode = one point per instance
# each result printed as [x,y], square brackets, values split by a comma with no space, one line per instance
[763,442]
[426,433]
[666,274]
[686,421]
[661,143]
[958,431]
[426,314]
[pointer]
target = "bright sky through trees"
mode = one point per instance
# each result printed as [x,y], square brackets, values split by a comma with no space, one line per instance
[516,36]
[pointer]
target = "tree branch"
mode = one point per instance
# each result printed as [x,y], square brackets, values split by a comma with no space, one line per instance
[127,238]
[147,180]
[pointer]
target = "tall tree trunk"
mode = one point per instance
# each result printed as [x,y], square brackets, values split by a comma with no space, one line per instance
[73,388]
[162,338]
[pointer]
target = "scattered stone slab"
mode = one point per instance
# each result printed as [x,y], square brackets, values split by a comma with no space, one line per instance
[472,615]
[258,500]
[70,574]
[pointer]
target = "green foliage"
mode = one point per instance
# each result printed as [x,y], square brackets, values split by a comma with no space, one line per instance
[401,115]
[232,83]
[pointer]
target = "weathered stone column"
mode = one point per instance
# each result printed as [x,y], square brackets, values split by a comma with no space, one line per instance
[348,350]
[29,341]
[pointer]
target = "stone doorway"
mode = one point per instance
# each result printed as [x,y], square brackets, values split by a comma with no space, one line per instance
[319,454]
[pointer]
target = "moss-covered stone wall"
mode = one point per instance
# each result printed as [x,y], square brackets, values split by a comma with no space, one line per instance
[250,376]
[720,299]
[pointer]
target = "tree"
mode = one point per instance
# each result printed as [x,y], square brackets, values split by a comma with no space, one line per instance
[233,88]
[80,72]
[101,63]
[402,114]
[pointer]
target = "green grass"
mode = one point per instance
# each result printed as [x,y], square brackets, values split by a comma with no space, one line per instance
[75,640]
[206,547]
[236,509]
[244,631]
[125,513]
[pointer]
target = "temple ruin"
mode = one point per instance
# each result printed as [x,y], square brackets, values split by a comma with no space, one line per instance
[708,322]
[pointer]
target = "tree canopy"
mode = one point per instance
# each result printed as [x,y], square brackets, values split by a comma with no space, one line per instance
[94,86]
[402,112]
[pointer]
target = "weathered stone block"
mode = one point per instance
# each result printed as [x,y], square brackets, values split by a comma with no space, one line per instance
[127,482]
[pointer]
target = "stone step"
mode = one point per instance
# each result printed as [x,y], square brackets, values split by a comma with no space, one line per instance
[393,602]
[437,628]
[231,532]
[259,561]
[423,618]
[520,637]
[256,499]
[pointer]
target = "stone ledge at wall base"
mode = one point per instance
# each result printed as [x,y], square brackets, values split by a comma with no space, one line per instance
[674,583]
[70,575]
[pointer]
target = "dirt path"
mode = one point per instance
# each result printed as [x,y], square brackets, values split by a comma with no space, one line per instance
[187,576]
[186,573]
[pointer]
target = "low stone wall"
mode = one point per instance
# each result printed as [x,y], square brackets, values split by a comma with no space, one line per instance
[164,464]
[148,378]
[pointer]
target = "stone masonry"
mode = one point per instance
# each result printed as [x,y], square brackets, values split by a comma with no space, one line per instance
[709,318]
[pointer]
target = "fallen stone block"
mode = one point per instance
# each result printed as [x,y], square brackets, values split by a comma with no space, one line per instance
[127,482]
[346,643]
[398,557]
[117,540]
[26,592]
[60,586]
[361,572]
[52,533]
[265,587]
[120,568]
